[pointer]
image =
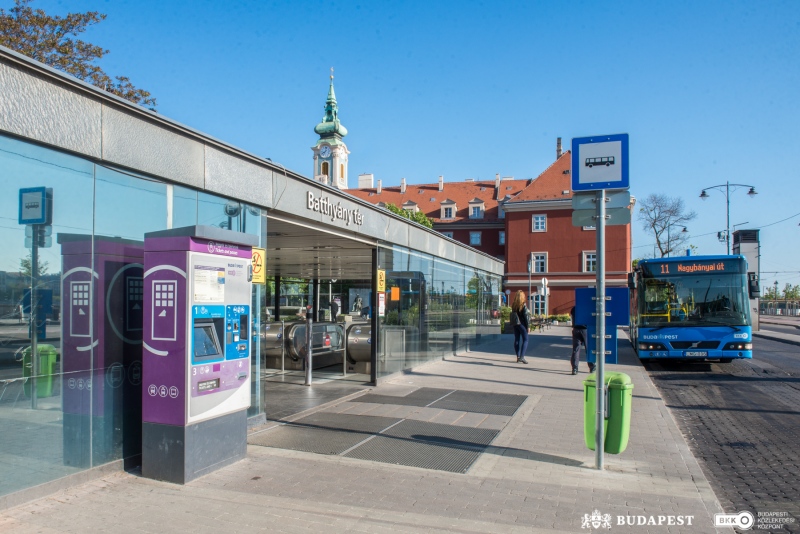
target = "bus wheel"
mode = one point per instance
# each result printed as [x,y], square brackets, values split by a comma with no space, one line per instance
[725,360]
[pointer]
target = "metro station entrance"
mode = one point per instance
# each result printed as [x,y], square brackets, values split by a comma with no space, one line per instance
[326,275]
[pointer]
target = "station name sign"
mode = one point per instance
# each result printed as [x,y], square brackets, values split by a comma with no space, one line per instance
[336,212]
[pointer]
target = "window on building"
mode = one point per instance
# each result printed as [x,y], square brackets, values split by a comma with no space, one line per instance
[540,223]
[448,213]
[539,262]
[325,168]
[501,213]
[589,262]
[502,237]
[448,234]
[539,304]
[474,238]
[476,212]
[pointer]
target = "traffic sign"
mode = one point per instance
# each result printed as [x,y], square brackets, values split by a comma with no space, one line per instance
[614,199]
[44,230]
[600,162]
[614,216]
[36,205]
[47,242]
[259,272]
[381,280]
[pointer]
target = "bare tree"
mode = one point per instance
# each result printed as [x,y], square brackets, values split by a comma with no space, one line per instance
[46,38]
[665,216]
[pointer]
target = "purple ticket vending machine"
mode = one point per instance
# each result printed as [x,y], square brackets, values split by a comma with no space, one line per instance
[101,333]
[196,351]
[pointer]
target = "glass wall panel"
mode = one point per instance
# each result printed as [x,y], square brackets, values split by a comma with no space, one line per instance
[33,447]
[78,405]
[430,307]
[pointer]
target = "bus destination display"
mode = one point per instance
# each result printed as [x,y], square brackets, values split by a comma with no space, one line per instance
[690,267]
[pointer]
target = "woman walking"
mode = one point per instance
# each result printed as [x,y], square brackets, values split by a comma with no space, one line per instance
[521,326]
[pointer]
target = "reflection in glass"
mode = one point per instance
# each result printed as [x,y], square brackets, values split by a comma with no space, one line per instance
[31,416]
[431,307]
[83,407]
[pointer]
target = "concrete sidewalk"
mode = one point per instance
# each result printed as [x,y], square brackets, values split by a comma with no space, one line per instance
[766,320]
[536,476]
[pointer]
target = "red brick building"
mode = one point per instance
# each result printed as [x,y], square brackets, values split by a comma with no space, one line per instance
[539,226]
[468,211]
[515,221]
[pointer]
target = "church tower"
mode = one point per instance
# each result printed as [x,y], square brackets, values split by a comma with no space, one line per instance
[330,152]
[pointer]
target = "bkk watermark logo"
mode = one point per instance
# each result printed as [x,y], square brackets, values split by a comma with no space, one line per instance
[598,520]
[746,520]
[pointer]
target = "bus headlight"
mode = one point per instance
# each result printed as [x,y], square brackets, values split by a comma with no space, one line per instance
[738,345]
[652,346]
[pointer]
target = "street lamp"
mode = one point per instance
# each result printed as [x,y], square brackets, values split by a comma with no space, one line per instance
[669,246]
[726,188]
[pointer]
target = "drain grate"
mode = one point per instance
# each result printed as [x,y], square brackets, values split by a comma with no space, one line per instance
[479,397]
[478,402]
[419,397]
[318,440]
[459,436]
[412,453]
[339,421]
[475,408]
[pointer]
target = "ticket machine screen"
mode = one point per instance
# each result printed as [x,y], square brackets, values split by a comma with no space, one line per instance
[206,342]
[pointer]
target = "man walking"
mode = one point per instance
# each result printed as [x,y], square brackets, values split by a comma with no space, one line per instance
[578,338]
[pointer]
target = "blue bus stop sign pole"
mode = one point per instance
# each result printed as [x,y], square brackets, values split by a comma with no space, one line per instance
[600,163]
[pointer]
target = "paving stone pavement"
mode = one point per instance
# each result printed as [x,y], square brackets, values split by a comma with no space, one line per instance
[536,476]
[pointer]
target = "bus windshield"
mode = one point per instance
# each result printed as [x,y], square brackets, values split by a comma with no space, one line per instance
[694,300]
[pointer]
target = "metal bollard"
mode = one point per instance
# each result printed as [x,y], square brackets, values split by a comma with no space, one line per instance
[344,353]
[283,347]
[309,337]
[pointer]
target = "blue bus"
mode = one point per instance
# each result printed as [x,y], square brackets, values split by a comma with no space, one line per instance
[691,308]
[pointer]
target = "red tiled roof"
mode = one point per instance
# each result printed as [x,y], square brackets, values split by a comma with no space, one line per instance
[462,193]
[551,184]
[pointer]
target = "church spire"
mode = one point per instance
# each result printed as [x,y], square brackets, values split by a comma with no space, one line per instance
[330,125]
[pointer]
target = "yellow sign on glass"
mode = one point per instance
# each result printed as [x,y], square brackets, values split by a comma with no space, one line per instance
[259,268]
[381,280]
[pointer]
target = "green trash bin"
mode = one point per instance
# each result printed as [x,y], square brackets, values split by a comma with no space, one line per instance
[617,426]
[47,367]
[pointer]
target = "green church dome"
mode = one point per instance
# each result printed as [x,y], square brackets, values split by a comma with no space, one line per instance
[330,125]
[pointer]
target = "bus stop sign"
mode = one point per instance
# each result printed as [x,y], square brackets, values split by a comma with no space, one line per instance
[600,162]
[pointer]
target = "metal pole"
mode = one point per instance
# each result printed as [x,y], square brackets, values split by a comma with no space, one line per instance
[600,322]
[309,337]
[283,347]
[728,217]
[34,328]
[668,247]
[530,270]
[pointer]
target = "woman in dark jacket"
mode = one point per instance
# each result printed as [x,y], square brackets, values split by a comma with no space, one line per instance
[521,329]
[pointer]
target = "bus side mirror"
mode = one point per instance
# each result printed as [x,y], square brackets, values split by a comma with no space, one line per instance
[752,285]
[631,280]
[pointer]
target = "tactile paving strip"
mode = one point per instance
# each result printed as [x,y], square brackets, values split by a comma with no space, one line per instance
[318,440]
[414,453]
[419,397]
[459,436]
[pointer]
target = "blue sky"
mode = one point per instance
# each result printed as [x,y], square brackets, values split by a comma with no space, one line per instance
[706,90]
